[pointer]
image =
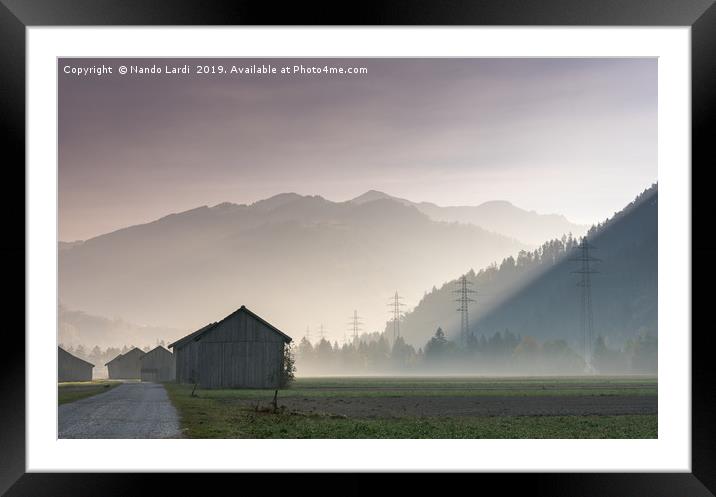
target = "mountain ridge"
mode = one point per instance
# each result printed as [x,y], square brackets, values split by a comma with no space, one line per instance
[475,215]
[310,255]
[498,216]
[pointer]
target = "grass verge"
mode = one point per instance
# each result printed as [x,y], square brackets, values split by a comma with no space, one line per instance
[76,390]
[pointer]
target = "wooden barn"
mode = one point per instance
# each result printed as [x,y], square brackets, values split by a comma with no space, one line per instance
[125,366]
[157,365]
[240,351]
[72,368]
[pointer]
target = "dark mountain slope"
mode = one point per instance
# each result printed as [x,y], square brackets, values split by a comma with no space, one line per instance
[537,294]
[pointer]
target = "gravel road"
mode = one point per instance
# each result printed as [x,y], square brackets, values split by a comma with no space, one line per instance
[130,410]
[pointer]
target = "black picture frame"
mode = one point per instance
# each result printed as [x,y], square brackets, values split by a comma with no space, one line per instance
[16,15]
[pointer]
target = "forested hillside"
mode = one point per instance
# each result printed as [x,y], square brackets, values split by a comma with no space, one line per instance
[536,293]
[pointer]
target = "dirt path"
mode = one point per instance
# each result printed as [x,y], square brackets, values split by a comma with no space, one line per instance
[458,406]
[131,410]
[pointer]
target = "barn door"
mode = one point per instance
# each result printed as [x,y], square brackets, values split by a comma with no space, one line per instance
[150,375]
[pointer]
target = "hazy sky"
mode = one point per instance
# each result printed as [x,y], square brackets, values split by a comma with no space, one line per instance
[572,136]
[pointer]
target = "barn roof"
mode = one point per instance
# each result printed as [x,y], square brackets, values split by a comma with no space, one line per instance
[107,363]
[245,309]
[182,341]
[61,350]
[199,333]
[156,350]
[134,350]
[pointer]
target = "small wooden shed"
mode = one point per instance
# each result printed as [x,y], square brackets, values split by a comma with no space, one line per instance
[157,365]
[72,368]
[240,351]
[125,366]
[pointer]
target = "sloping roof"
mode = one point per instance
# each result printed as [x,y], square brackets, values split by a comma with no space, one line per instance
[287,338]
[133,351]
[186,339]
[199,333]
[107,363]
[63,351]
[156,350]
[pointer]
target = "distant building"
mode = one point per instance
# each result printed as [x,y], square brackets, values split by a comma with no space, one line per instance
[125,366]
[157,365]
[240,351]
[72,368]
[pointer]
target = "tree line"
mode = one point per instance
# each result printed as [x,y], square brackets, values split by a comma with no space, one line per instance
[499,353]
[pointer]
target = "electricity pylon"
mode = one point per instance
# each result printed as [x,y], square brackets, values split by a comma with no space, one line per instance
[321,333]
[464,302]
[395,304]
[355,325]
[585,282]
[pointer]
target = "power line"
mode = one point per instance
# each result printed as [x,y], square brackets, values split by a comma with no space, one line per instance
[464,302]
[395,304]
[586,320]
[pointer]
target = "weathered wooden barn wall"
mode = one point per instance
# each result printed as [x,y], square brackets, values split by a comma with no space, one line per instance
[186,356]
[113,368]
[187,362]
[72,368]
[125,366]
[157,365]
[240,352]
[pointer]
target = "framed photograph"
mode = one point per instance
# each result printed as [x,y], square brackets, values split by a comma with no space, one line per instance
[411,240]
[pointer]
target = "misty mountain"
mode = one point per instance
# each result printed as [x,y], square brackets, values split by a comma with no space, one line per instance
[536,294]
[498,216]
[80,328]
[297,260]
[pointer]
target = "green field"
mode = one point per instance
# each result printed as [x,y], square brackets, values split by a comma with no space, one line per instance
[449,386]
[75,390]
[417,408]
